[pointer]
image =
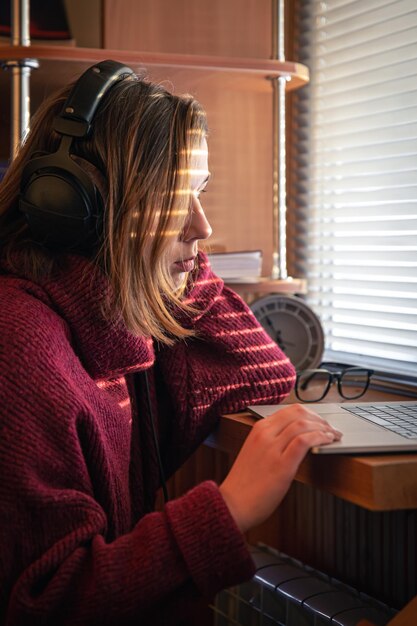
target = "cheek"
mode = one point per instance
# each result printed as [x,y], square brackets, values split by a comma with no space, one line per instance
[174,251]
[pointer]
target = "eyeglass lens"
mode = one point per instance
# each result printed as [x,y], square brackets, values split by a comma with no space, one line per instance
[313,385]
[353,383]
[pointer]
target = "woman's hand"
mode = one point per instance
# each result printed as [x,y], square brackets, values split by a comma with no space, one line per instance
[268,461]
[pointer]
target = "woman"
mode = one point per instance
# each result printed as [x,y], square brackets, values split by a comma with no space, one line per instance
[119,351]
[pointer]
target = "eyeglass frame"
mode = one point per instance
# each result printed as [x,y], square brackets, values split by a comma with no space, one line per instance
[332,376]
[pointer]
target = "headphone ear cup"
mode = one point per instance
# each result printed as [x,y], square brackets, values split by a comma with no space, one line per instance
[58,196]
[63,207]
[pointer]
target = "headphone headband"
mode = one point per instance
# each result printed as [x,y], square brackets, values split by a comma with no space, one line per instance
[80,107]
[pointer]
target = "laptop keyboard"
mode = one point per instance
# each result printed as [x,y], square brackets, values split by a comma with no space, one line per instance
[399,418]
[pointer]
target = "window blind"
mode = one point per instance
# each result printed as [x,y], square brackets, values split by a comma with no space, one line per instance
[356,178]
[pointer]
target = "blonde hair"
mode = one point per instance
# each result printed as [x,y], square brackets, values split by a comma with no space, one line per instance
[141,141]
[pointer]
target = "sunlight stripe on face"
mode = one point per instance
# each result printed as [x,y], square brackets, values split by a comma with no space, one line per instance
[194,151]
[152,233]
[179,212]
[193,171]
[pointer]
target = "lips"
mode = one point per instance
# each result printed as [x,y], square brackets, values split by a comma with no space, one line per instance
[185,266]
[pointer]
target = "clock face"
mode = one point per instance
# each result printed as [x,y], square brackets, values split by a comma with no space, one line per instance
[293,326]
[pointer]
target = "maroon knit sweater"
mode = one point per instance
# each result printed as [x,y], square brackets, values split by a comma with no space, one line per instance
[79,541]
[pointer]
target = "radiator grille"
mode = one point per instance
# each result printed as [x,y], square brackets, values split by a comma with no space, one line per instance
[375,551]
[286,592]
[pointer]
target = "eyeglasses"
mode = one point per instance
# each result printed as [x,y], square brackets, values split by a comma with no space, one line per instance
[313,385]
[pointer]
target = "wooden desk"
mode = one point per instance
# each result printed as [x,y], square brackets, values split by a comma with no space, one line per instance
[353,517]
[376,482]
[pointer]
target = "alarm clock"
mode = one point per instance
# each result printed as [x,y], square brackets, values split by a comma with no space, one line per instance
[294,326]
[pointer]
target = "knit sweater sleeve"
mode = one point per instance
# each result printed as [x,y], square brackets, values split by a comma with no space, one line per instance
[230,363]
[68,555]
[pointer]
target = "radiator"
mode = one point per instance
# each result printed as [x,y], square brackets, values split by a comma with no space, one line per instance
[286,592]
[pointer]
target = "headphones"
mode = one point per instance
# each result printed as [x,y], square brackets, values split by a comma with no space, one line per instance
[62,205]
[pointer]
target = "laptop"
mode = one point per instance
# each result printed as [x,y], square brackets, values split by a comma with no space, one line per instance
[367,427]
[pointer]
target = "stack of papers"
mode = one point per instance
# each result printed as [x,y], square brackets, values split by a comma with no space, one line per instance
[243,266]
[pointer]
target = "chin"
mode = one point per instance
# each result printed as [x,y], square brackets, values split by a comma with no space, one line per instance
[179,280]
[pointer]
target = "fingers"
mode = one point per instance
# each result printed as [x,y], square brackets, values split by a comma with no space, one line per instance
[291,421]
[299,445]
[303,429]
[276,422]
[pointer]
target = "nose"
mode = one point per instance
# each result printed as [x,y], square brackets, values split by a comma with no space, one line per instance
[198,227]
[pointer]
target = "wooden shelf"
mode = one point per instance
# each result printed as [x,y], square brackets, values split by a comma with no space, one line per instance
[264,286]
[68,60]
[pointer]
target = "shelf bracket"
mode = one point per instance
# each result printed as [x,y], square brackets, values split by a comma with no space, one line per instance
[279,182]
[20,70]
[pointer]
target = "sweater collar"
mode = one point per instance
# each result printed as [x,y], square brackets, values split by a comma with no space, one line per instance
[106,348]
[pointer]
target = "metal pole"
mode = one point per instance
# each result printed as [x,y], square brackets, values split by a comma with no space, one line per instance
[20,75]
[279,194]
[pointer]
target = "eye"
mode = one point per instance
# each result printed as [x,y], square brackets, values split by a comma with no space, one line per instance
[200,191]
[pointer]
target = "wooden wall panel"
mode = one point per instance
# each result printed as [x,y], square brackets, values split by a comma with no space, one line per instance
[223,27]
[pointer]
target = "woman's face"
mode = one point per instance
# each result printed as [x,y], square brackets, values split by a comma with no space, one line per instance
[184,250]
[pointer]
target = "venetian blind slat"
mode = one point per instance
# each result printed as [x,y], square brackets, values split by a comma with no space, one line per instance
[355,190]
